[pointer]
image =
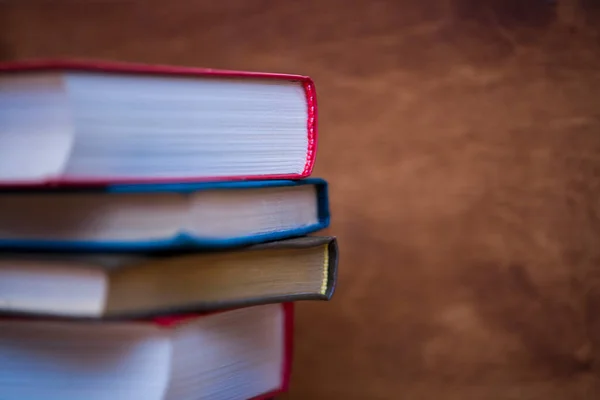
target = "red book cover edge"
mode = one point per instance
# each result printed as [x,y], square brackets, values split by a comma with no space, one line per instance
[160,69]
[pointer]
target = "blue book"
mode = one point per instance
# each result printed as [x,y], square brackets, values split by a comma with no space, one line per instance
[153,217]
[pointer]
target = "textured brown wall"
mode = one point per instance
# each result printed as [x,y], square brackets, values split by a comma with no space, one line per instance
[462,142]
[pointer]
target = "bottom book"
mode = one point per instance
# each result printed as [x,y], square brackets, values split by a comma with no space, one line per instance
[238,354]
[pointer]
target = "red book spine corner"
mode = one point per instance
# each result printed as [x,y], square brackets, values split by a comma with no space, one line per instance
[311,102]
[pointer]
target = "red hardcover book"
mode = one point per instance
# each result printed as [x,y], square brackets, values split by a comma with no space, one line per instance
[97,122]
[237,354]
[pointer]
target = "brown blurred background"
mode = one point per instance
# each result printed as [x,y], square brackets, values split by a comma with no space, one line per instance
[462,142]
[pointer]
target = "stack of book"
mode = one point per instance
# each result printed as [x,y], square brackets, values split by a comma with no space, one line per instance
[153,230]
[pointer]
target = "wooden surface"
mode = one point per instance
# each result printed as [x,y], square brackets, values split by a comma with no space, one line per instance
[462,142]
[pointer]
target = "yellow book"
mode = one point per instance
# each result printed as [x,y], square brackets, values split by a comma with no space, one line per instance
[128,285]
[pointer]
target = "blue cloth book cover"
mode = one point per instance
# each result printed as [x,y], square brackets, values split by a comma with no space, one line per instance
[156,217]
